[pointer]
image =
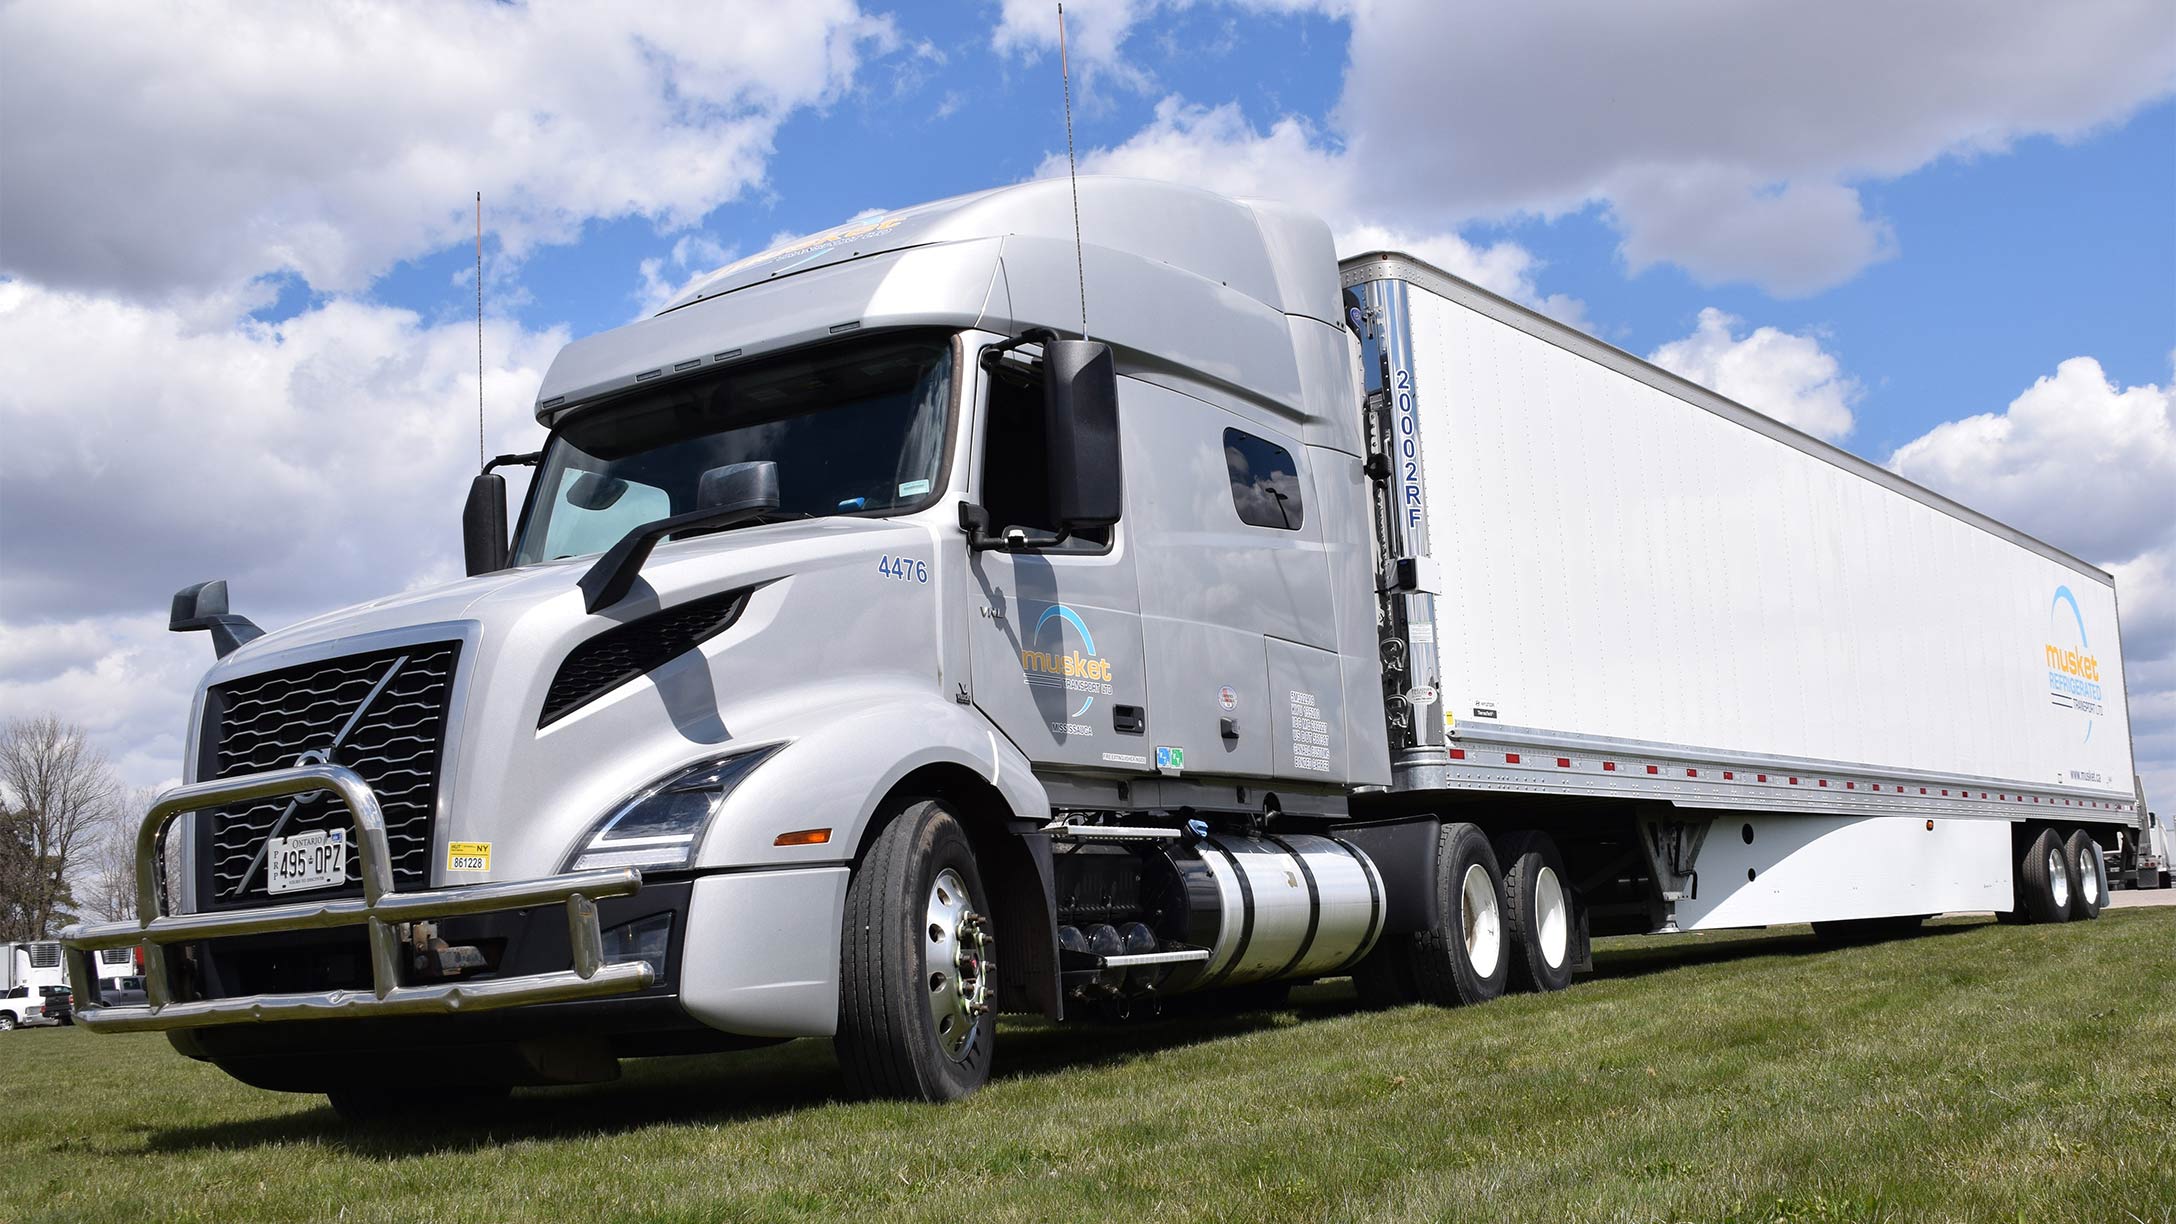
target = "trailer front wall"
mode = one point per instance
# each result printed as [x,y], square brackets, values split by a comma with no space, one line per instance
[1621,563]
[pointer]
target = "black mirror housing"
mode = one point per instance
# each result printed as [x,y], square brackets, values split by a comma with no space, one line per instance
[739,486]
[1080,412]
[483,524]
[204,606]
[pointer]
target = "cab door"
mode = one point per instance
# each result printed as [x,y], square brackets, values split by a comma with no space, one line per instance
[1055,654]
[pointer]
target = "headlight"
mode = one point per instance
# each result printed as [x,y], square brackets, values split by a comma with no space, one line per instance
[660,825]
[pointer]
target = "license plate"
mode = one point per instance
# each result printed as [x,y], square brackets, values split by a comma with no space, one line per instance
[317,859]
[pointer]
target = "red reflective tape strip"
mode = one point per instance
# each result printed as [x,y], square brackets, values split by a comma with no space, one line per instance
[1692,773]
[1652,769]
[1729,776]
[1563,762]
[1609,767]
[1760,777]
[1511,758]
[1458,754]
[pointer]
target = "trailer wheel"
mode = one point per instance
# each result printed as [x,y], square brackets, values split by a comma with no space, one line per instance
[1538,907]
[917,986]
[2088,875]
[2043,879]
[1466,959]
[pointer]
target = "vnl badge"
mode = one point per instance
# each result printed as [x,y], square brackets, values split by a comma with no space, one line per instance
[1170,760]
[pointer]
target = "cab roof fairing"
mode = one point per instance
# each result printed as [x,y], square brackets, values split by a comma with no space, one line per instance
[1217,297]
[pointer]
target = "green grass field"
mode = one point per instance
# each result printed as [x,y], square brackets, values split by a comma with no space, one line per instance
[1977,1072]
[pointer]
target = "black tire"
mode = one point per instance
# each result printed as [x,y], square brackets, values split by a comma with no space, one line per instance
[889,1041]
[7,1021]
[367,1103]
[1454,965]
[1534,873]
[2088,875]
[2044,886]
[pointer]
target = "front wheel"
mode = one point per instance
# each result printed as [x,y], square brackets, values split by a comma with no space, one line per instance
[917,986]
[7,1021]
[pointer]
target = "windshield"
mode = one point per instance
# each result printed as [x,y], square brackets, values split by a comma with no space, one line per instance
[854,429]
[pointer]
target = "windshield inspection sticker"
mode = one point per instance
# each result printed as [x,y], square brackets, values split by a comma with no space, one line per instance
[914,488]
[468,856]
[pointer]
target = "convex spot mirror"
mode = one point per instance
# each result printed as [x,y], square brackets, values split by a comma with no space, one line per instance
[1080,414]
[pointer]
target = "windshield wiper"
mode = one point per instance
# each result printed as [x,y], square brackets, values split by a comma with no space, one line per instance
[725,497]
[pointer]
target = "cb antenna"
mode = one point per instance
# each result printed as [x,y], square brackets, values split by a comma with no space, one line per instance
[1072,174]
[480,460]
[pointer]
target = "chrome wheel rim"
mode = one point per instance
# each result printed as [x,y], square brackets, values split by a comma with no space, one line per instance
[2058,879]
[2089,875]
[956,964]
[1552,919]
[1478,915]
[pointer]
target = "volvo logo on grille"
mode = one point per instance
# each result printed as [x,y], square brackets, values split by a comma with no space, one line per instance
[316,756]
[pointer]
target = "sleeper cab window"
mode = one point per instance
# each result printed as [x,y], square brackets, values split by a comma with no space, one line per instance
[1265,481]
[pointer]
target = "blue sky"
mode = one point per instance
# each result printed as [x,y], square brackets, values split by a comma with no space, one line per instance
[1891,227]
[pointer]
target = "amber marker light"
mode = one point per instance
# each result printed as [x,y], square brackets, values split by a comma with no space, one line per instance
[803,837]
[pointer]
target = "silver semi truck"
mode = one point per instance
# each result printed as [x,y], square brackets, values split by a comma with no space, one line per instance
[938,617]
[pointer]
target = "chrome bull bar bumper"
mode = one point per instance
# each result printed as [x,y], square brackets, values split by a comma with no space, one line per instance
[380,909]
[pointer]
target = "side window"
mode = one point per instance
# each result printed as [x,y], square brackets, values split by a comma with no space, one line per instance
[1265,481]
[1015,465]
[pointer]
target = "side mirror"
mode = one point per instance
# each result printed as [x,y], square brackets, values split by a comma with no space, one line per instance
[738,486]
[483,524]
[204,606]
[1080,416]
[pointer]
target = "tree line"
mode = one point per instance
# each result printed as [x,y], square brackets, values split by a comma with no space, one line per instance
[67,830]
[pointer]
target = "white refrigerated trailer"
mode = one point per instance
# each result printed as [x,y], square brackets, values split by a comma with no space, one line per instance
[872,657]
[1833,694]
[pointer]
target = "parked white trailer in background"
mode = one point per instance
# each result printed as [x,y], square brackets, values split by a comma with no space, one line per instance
[29,971]
[872,657]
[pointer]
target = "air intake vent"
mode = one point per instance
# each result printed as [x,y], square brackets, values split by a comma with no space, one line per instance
[620,654]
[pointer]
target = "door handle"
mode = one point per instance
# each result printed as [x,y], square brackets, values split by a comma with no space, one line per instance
[1129,720]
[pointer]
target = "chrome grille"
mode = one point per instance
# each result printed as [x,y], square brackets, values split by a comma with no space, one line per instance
[381,714]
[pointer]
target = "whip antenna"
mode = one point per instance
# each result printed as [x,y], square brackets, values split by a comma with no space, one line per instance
[1072,174]
[480,329]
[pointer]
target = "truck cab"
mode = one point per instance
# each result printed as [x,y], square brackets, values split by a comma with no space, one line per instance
[863,537]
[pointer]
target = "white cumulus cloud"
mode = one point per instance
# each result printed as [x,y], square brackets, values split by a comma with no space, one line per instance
[2089,467]
[186,150]
[312,463]
[1730,140]
[1777,373]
